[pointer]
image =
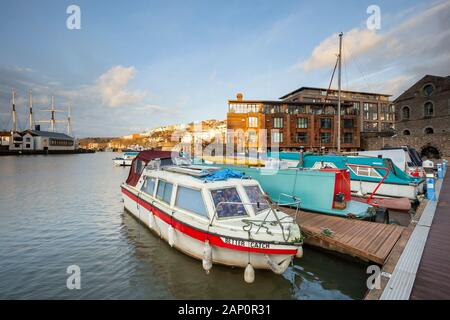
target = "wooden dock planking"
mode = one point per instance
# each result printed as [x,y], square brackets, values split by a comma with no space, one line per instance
[369,241]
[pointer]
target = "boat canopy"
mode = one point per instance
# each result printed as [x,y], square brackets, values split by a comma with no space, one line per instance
[141,160]
[222,175]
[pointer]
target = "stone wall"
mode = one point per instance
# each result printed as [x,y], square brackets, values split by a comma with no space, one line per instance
[427,145]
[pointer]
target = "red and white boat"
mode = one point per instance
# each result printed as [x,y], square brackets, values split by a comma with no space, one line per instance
[211,214]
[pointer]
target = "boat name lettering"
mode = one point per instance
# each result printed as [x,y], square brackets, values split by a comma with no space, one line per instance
[245,243]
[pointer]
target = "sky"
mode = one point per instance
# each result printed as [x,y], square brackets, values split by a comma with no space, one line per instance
[136,65]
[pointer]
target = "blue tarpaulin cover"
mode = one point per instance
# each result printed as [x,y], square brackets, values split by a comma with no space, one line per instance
[223,174]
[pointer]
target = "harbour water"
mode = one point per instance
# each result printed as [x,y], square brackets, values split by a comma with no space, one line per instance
[62,210]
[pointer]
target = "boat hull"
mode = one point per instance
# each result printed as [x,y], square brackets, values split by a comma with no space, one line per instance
[366,188]
[191,241]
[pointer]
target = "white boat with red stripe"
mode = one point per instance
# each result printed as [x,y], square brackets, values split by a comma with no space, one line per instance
[211,214]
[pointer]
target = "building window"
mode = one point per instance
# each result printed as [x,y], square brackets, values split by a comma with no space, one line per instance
[428,109]
[302,137]
[278,122]
[428,89]
[27,139]
[252,122]
[191,200]
[252,136]
[325,123]
[370,126]
[387,126]
[405,113]
[28,146]
[348,137]
[349,123]
[406,132]
[277,137]
[428,130]
[270,109]
[325,137]
[370,111]
[302,123]
[387,112]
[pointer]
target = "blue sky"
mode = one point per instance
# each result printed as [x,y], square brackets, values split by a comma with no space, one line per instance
[141,64]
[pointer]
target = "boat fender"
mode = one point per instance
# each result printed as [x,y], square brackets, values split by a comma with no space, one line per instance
[207,257]
[299,253]
[151,220]
[249,274]
[278,268]
[171,236]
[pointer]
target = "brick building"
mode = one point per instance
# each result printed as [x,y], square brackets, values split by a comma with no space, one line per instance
[425,107]
[376,112]
[290,125]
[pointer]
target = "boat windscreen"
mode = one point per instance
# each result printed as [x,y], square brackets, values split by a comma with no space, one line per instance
[228,203]
[259,203]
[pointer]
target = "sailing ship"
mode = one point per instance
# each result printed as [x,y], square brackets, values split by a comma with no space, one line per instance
[217,216]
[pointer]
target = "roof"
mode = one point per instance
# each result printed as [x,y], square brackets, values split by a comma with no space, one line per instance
[293,103]
[409,93]
[325,89]
[5,134]
[49,134]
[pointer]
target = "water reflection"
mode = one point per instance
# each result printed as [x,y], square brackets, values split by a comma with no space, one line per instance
[316,276]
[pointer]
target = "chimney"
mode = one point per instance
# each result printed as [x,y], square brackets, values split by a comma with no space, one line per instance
[37,127]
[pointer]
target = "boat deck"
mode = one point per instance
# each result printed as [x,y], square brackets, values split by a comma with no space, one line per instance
[369,241]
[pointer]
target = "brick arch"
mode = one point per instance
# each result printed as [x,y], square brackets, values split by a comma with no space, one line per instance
[430,151]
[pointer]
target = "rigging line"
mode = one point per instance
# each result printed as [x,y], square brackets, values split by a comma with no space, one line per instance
[360,71]
[331,82]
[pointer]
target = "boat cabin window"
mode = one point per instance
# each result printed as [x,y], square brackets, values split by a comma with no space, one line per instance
[257,199]
[138,167]
[164,191]
[191,200]
[324,165]
[228,204]
[149,185]
[365,171]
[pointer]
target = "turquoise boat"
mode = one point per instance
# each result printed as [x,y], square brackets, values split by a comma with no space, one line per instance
[324,191]
[369,175]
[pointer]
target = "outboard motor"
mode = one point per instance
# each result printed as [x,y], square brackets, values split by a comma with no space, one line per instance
[339,201]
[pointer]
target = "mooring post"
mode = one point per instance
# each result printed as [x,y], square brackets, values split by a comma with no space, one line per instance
[440,171]
[430,188]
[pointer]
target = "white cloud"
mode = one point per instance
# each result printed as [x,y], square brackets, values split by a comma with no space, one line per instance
[357,41]
[416,45]
[112,86]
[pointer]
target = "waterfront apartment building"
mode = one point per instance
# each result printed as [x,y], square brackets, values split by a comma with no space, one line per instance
[376,112]
[291,125]
[424,108]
